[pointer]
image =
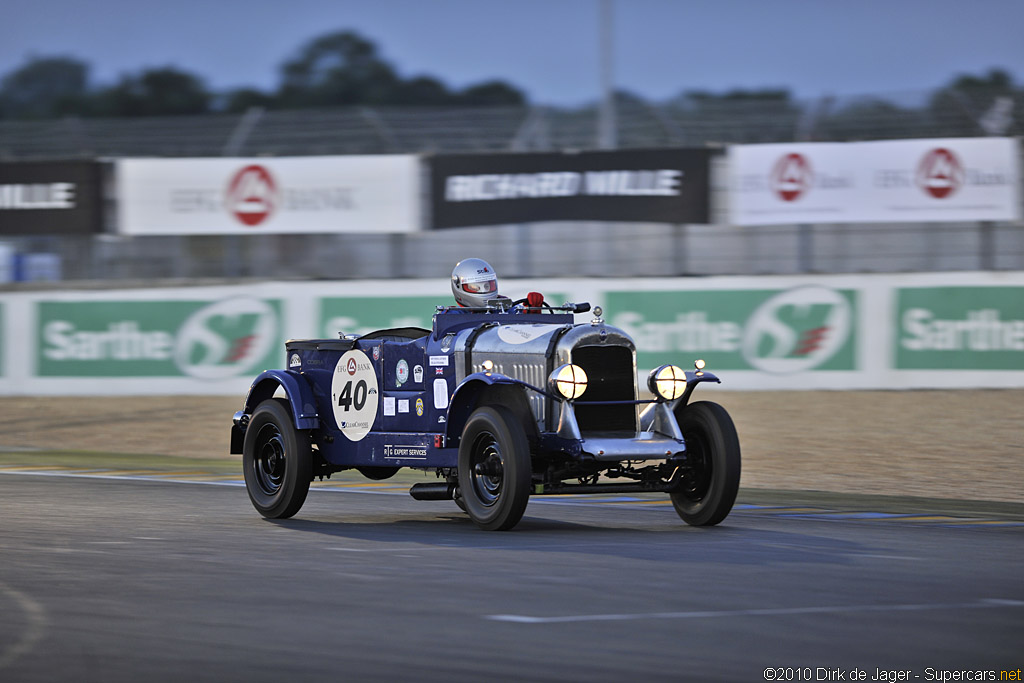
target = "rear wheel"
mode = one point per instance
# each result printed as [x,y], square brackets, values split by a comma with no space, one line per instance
[707,490]
[494,469]
[277,460]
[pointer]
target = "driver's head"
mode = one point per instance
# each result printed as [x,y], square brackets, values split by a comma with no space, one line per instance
[474,282]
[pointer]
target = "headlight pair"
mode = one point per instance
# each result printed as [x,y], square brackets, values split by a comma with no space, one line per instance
[667,382]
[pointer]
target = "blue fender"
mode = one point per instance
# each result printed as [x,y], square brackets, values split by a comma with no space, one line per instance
[466,397]
[298,391]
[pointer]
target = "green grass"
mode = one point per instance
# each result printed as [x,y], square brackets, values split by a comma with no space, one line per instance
[95,460]
[132,461]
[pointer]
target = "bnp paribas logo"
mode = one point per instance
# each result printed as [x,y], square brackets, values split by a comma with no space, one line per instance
[797,330]
[226,338]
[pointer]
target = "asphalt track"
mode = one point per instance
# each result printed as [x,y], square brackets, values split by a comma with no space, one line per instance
[148,579]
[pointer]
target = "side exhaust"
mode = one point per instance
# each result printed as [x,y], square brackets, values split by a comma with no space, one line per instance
[438,491]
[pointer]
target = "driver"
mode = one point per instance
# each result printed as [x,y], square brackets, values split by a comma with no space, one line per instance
[475,285]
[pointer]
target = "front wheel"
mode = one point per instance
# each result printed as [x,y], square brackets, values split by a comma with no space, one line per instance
[277,460]
[494,469]
[707,490]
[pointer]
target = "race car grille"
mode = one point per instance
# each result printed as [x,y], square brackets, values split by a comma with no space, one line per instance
[611,377]
[532,374]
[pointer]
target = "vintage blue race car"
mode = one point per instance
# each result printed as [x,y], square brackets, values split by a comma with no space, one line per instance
[502,403]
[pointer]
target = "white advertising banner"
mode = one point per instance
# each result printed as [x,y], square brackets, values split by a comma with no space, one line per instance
[928,180]
[363,194]
[791,183]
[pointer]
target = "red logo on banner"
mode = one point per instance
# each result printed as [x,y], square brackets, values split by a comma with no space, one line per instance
[351,366]
[252,195]
[940,173]
[791,176]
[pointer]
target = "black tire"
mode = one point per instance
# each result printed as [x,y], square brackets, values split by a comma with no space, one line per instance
[494,468]
[277,460]
[707,491]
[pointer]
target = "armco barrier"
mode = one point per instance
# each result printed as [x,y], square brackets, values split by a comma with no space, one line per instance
[910,331]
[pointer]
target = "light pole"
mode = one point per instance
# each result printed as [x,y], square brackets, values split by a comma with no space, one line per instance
[606,127]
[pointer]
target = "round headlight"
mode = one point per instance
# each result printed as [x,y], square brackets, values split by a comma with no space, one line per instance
[568,380]
[668,382]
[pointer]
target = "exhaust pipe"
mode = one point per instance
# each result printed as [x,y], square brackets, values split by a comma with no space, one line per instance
[438,491]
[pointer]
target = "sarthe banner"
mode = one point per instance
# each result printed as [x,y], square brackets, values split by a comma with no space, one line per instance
[50,198]
[943,330]
[356,193]
[646,186]
[928,180]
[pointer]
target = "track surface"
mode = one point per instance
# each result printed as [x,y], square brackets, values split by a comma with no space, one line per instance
[126,580]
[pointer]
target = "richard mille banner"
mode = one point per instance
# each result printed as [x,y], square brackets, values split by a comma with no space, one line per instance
[365,194]
[50,198]
[647,186]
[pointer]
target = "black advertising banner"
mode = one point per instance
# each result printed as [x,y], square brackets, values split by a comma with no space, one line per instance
[646,186]
[50,198]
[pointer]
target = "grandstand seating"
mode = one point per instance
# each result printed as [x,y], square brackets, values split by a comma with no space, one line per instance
[684,121]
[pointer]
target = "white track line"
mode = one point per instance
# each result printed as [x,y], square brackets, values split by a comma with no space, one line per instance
[772,612]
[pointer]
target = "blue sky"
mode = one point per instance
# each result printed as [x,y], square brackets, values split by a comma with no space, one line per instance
[549,48]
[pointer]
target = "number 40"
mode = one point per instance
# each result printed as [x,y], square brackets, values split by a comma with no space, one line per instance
[356,399]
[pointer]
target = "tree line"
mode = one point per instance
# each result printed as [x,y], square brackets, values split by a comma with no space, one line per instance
[344,68]
[336,69]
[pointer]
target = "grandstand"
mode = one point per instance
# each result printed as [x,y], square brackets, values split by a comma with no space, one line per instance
[682,122]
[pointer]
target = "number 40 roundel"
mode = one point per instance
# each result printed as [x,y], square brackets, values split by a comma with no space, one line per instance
[354,394]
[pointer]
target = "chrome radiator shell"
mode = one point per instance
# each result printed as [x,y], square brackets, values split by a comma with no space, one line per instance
[529,352]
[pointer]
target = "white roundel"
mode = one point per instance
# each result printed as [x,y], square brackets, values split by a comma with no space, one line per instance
[354,394]
[522,334]
[797,330]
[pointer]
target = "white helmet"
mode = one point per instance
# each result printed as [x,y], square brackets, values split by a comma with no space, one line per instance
[474,283]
